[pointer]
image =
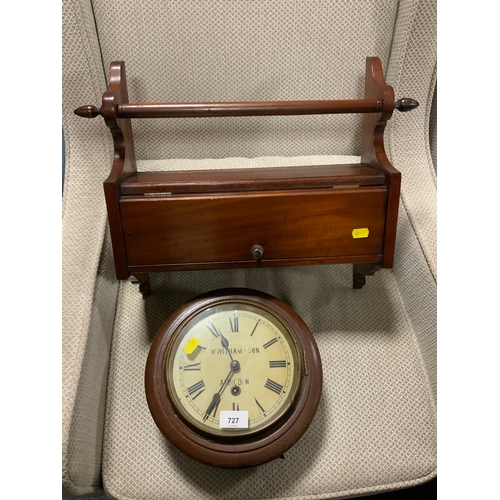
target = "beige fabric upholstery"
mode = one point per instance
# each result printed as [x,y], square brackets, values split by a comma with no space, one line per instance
[375,428]
[89,286]
[412,71]
[223,50]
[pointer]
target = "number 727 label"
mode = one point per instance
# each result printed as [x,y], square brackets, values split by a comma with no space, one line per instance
[233,419]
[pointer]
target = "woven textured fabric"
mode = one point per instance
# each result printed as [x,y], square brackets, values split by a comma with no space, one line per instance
[88,292]
[412,72]
[419,298]
[375,426]
[82,464]
[220,50]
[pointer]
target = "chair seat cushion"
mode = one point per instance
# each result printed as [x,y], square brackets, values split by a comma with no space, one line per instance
[375,425]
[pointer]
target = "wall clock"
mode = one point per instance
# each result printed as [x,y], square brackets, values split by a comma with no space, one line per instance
[233,378]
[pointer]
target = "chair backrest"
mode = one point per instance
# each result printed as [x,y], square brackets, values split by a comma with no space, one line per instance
[245,50]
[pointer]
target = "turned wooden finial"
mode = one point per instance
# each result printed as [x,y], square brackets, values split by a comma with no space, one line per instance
[88,111]
[405,104]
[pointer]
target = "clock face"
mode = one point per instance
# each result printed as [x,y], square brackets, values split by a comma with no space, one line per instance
[233,378]
[236,357]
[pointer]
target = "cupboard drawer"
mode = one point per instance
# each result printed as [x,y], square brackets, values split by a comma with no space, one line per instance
[223,227]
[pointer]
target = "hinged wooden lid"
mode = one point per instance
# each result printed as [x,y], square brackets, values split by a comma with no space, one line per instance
[252,179]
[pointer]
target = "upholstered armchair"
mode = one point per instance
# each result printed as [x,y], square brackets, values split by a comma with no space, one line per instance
[375,428]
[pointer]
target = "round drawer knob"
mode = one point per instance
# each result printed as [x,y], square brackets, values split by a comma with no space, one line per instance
[257,252]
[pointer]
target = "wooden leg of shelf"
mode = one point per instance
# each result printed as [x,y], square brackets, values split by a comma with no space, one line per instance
[142,279]
[361,271]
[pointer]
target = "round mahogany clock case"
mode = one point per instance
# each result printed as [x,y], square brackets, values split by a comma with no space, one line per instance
[233,378]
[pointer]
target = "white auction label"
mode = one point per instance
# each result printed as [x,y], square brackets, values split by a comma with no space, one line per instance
[233,419]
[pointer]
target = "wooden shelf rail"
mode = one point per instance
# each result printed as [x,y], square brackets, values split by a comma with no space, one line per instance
[262,108]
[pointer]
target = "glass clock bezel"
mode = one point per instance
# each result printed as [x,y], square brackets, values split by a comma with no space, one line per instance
[235,451]
[200,315]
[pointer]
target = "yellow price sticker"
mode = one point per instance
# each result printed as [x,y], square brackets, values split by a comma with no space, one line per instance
[360,233]
[191,345]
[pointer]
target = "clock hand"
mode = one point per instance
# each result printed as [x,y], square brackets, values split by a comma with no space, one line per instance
[215,401]
[225,345]
[216,398]
[233,367]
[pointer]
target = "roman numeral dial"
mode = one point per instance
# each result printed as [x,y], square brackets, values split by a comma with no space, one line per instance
[196,389]
[277,364]
[270,343]
[233,377]
[193,367]
[233,323]
[214,330]
[249,363]
[273,386]
[259,406]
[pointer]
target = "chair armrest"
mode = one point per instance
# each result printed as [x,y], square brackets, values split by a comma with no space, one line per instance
[414,52]
[89,287]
